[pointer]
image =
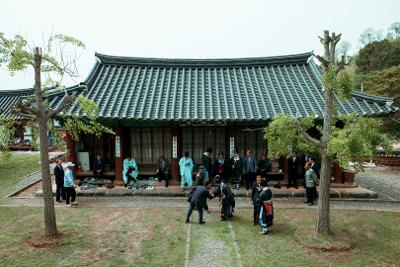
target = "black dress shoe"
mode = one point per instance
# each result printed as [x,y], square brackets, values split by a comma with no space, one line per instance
[203,222]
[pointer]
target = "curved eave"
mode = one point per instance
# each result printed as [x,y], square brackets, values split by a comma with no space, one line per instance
[217,62]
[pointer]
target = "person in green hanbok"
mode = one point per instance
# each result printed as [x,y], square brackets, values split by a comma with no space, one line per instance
[130,170]
[186,169]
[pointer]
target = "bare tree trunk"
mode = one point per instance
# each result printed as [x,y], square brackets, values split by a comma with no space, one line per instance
[49,213]
[323,221]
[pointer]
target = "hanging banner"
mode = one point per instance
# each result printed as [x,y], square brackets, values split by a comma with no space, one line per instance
[117,147]
[231,146]
[174,147]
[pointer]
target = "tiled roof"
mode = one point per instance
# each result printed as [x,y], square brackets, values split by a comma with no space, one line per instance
[8,98]
[213,90]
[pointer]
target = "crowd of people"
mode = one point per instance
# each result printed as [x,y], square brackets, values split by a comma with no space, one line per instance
[236,170]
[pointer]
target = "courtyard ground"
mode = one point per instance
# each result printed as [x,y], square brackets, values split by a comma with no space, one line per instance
[150,231]
[158,236]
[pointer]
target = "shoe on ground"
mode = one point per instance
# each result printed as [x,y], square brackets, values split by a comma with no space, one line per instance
[74,203]
[203,222]
[187,221]
[69,205]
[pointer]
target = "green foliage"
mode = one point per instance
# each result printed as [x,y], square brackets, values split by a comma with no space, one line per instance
[283,137]
[76,125]
[385,82]
[7,131]
[341,83]
[378,55]
[14,54]
[359,137]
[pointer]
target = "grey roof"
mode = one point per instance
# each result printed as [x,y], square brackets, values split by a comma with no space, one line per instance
[214,90]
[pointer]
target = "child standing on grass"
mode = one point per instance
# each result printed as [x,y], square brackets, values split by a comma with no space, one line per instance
[69,185]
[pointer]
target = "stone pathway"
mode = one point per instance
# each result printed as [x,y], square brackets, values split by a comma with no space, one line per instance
[180,202]
[383,180]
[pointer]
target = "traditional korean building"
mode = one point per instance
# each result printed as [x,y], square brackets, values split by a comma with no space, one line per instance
[168,106]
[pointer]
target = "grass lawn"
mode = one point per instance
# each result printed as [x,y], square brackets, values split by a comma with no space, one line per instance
[17,167]
[156,237]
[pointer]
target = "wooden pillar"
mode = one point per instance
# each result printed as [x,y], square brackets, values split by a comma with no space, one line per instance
[286,170]
[119,155]
[337,173]
[230,140]
[176,154]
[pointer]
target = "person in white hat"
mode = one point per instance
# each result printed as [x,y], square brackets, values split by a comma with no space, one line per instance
[69,185]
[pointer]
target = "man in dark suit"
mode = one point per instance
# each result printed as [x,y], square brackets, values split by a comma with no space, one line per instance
[249,169]
[99,167]
[295,169]
[59,175]
[198,200]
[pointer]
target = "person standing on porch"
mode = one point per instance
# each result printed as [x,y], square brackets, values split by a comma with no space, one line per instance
[163,170]
[59,175]
[99,167]
[249,169]
[236,166]
[186,169]
[220,166]
[69,185]
[206,162]
[294,163]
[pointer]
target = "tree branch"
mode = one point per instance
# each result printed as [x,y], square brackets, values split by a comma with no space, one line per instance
[303,132]
[66,102]
[25,115]
[22,107]
[322,60]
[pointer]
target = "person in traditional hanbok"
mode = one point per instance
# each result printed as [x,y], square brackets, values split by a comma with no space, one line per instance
[266,215]
[226,198]
[186,169]
[236,166]
[130,170]
[255,193]
[220,167]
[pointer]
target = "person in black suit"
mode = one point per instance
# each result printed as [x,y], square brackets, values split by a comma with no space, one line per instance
[198,199]
[295,169]
[59,175]
[99,167]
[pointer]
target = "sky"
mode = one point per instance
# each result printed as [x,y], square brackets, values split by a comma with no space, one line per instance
[189,29]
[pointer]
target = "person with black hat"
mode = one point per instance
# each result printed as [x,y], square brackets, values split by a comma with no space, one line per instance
[266,215]
[236,167]
[226,198]
[220,166]
[255,192]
